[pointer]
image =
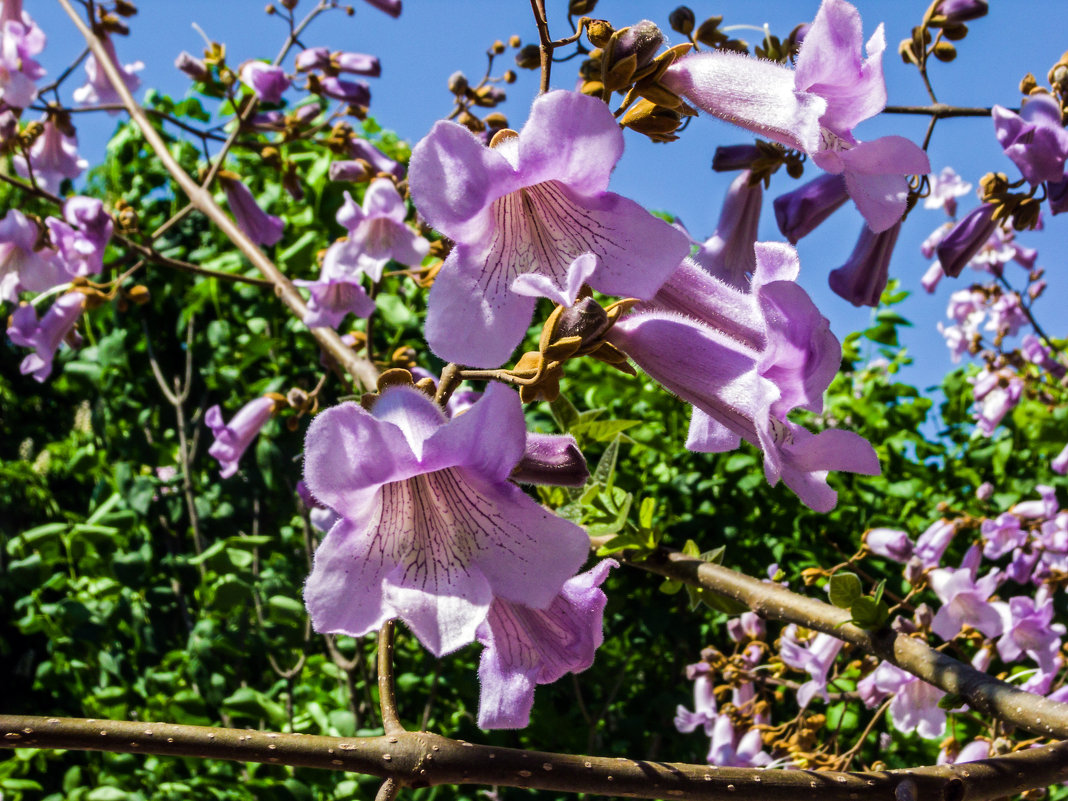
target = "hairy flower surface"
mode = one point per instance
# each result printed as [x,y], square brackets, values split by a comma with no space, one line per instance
[521,215]
[431,529]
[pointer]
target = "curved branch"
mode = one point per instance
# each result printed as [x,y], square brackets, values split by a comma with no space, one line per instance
[983,693]
[421,759]
[359,368]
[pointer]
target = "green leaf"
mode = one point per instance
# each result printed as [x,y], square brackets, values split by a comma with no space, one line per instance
[845,589]
[869,614]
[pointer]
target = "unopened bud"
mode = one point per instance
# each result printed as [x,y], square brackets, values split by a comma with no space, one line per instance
[193,67]
[458,83]
[514,41]
[124,8]
[585,319]
[497,47]
[139,294]
[682,20]
[496,121]
[945,51]
[1028,84]
[289,5]
[509,76]
[599,32]
[529,57]
[579,8]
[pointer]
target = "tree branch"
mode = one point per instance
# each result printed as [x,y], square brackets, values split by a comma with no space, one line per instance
[983,693]
[421,759]
[360,369]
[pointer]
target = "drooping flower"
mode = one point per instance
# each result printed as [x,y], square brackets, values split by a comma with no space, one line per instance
[355,93]
[1059,465]
[431,529]
[890,543]
[704,703]
[521,215]
[53,157]
[20,40]
[391,7]
[932,543]
[862,279]
[261,227]
[1035,138]
[996,394]
[82,235]
[45,335]
[964,241]
[800,212]
[946,187]
[98,89]
[965,598]
[1002,535]
[334,295]
[1029,628]
[232,439]
[815,107]
[377,233]
[525,646]
[22,267]
[729,253]
[321,59]
[815,657]
[267,81]
[914,706]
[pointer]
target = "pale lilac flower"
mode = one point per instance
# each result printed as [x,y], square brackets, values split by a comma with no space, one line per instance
[728,254]
[946,187]
[525,646]
[20,40]
[815,107]
[965,598]
[862,279]
[890,543]
[984,491]
[321,517]
[45,335]
[334,296]
[730,750]
[261,227]
[1029,628]
[192,66]
[431,530]
[22,268]
[53,157]
[915,702]
[362,149]
[958,340]
[996,394]
[1006,315]
[1035,138]
[521,215]
[933,240]
[98,89]
[801,211]
[748,626]
[232,439]
[1059,465]
[266,81]
[932,543]
[82,235]
[550,459]
[1002,535]
[1045,508]
[815,657]
[704,712]
[1035,351]
[931,278]
[962,243]
[377,233]
[967,307]
[972,752]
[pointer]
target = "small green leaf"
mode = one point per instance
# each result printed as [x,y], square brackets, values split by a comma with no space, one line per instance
[845,589]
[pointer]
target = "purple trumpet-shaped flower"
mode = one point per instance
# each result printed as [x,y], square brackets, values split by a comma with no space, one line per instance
[932,543]
[1059,465]
[914,706]
[1035,138]
[525,646]
[362,149]
[729,254]
[391,7]
[961,244]
[377,233]
[82,235]
[815,107]
[1029,629]
[20,40]
[862,279]
[192,66]
[335,295]
[965,599]
[814,657]
[551,459]
[22,267]
[1057,193]
[1003,534]
[98,89]
[801,211]
[321,59]
[705,711]
[45,335]
[733,401]
[890,543]
[521,215]
[954,12]
[53,157]
[355,93]
[261,227]
[748,626]
[431,530]
[267,81]
[232,439]
[996,394]
[1037,352]
[730,750]
[734,157]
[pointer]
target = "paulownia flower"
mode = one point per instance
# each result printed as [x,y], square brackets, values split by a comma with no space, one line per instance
[232,439]
[522,215]
[431,529]
[22,267]
[261,227]
[1035,138]
[45,335]
[98,89]
[267,81]
[729,254]
[53,157]
[815,107]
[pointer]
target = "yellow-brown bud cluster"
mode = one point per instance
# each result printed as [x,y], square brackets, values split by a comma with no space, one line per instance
[1022,209]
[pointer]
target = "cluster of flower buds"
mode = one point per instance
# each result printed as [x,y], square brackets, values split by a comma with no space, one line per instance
[684,21]
[948,18]
[488,92]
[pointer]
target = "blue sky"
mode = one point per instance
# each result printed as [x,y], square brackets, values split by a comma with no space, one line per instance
[434,38]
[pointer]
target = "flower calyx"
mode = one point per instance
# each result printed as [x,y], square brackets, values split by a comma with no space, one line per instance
[1021,209]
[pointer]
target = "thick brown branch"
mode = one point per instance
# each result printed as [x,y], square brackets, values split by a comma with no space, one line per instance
[421,759]
[360,369]
[983,693]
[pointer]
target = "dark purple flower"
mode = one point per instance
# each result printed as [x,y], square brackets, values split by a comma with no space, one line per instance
[799,212]
[261,227]
[1057,194]
[734,157]
[862,279]
[391,7]
[1034,139]
[233,438]
[551,459]
[957,11]
[45,335]
[966,239]
[355,93]
[268,82]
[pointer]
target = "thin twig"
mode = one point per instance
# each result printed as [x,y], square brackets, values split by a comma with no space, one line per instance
[387,691]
